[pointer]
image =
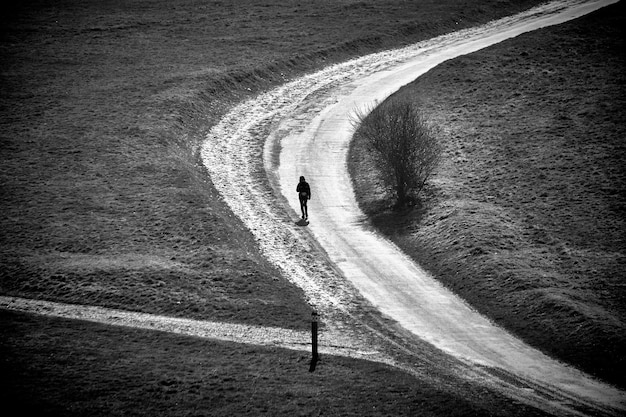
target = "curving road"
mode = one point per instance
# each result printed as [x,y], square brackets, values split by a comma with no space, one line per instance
[303,128]
[388,279]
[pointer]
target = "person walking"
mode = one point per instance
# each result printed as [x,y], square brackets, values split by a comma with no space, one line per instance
[304,194]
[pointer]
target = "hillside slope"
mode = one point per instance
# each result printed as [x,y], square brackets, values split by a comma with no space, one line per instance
[525,219]
[103,107]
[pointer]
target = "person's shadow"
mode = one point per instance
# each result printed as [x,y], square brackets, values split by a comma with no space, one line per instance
[302,222]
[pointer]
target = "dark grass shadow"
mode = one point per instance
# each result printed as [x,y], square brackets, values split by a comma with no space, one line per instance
[394,220]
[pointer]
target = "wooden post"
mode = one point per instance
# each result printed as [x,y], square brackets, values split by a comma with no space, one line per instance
[314,356]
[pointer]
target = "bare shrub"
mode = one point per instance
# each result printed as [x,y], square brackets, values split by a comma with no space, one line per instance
[403,145]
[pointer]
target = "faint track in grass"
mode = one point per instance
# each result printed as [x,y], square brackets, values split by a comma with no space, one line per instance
[329,343]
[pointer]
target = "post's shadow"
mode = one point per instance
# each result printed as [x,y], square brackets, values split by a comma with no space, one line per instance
[302,222]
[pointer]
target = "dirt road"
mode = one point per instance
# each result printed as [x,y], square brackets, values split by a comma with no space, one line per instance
[304,128]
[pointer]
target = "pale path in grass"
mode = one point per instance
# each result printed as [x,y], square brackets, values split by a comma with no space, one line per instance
[303,128]
[328,343]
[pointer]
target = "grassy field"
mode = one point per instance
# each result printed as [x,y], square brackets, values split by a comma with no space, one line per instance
[73,368]
[104,201]
[525,218]
[104,105]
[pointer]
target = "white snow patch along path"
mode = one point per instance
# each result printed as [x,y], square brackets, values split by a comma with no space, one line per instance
[328,343]
[257,152]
